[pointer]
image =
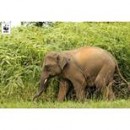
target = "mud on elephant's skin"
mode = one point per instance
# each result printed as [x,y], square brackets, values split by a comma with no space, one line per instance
[83,67]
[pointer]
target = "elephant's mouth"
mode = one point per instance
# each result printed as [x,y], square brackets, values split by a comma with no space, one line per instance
[43,86]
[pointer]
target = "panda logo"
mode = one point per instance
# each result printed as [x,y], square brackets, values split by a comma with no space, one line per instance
[6,27]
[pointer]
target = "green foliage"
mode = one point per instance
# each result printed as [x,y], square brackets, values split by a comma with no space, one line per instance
[22,52]
[67,104]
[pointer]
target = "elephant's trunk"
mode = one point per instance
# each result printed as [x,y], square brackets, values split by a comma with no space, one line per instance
[43,84]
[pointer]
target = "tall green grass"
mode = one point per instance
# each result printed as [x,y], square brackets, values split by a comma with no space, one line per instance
[22,53]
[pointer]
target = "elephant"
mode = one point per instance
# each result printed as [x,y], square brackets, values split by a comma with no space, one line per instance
[83,67]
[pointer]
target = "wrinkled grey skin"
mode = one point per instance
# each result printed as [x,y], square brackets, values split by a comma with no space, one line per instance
[83,67]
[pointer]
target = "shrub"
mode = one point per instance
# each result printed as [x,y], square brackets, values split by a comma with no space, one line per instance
[22,52]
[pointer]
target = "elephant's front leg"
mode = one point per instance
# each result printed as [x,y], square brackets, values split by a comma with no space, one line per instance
[80,90]
[63,89]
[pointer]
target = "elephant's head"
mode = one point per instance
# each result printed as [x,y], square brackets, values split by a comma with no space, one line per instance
[53,65]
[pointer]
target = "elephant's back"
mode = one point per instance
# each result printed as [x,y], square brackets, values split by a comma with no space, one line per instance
[93,56]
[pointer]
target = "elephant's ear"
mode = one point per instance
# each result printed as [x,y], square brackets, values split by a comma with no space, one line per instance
[62,61]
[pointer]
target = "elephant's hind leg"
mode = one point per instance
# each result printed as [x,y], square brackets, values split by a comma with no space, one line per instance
[103,82]
[100,86]
[109,92]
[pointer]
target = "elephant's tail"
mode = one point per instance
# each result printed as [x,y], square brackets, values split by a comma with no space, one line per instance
[121,76]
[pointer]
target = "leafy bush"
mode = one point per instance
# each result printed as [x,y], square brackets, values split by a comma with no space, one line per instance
[22,52]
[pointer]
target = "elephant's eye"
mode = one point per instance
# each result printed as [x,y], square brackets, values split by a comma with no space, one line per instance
[47,67]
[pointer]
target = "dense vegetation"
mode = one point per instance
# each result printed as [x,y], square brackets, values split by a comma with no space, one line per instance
[22,53]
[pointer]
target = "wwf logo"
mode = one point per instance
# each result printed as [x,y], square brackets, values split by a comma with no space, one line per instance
[6,27]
